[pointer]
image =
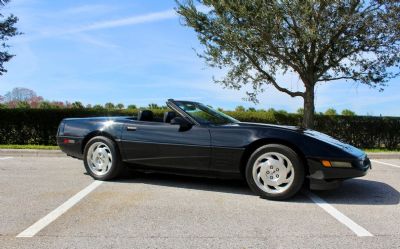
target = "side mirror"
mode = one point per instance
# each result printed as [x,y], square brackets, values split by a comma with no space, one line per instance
[184,125]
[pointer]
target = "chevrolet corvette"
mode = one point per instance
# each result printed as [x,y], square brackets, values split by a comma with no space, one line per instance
[192,138]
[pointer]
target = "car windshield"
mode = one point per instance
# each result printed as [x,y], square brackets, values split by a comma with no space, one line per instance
[204,114]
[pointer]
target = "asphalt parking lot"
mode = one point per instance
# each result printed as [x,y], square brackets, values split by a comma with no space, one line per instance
[69,210]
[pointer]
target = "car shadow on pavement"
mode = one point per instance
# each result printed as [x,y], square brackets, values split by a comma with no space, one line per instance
[354,191]
[188,182]
[361,192]
[231,186]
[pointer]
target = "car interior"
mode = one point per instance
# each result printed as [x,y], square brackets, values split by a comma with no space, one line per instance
[148,116]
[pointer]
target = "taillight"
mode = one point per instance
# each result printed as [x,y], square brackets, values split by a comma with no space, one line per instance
[68,141]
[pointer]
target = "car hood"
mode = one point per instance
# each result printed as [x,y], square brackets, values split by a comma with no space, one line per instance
[262,125]
[335,142]
[310,133]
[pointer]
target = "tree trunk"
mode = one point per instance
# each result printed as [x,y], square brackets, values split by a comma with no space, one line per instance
[309,109]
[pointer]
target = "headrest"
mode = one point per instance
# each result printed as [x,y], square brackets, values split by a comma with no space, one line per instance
[168,116]
[145,115]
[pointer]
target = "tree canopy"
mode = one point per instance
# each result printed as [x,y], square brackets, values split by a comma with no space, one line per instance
[20,94]
[347,112]
[7,30]
[331,112]
[319,40]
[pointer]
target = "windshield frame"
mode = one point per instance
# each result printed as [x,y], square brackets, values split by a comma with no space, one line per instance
[225,119]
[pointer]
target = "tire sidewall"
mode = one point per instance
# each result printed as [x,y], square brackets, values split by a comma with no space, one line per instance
[298,167]
[115,166]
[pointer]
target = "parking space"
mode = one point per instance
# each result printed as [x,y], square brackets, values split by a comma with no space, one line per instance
[154,210]
[32,187]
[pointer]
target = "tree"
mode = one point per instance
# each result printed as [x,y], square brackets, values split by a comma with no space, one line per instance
[282,112]
[331,112]
[98,107]
[300,111]
[45,105]
[77,105]
[240,108]
[109,106]
[7,30]
[132,107]
[319,40]
[35,101]
[23,105]
[347,112]
[58,104]
[251,109]
[153,106]
[120,106]
[24,96]
[20,94]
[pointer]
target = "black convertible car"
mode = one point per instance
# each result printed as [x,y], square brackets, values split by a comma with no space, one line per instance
[192,138]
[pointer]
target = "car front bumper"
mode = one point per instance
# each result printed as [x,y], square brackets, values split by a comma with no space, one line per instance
[322,178]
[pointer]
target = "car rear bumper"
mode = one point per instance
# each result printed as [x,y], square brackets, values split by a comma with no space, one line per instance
[72,146]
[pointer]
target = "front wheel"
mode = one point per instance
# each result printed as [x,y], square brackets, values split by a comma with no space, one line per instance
[275,172]
[101,158]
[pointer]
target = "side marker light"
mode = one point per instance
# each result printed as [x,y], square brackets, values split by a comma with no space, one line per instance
[326,163]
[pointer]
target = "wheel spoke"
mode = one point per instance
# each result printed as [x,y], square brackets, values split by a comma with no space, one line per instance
[284,180]
[270,183]
[263,177]
[281,160]
[273,161]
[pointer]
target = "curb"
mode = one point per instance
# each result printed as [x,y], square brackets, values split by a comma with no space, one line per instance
[59,153]
[31,153]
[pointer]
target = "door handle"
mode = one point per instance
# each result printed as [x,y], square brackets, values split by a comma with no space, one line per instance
[131,128]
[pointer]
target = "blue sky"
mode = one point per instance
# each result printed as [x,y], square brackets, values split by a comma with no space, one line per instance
[137,52]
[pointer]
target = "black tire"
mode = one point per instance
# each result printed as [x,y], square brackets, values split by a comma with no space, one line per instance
[298,172]
[116,165]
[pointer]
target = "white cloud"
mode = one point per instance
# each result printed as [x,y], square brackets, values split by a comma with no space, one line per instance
[133,20]
[47,32]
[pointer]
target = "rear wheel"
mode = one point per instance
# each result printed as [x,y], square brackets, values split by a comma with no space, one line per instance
[275,172]
[101,158]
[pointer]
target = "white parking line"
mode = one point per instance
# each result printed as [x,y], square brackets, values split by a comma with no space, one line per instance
[45,221]
[389,164]
[357,229]
[5,158]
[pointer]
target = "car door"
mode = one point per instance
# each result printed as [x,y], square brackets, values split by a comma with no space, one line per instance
[164,145]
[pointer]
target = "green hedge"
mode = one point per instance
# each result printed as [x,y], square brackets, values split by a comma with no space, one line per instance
[39,126]
[360,131]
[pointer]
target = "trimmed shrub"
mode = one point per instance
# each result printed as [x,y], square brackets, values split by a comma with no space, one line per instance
[39,126]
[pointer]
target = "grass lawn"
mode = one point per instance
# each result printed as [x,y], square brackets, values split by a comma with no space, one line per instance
[29,146]
[380,150]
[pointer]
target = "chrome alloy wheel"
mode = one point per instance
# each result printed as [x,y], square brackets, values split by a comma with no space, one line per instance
[273,172]
[99,158]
